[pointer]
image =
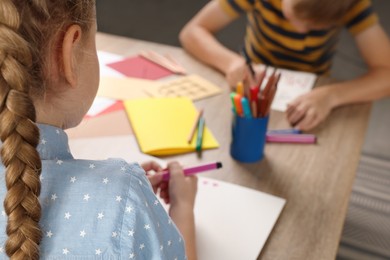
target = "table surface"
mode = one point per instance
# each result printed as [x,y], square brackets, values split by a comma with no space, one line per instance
[316,180]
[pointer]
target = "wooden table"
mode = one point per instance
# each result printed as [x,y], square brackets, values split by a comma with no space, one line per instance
[316,180]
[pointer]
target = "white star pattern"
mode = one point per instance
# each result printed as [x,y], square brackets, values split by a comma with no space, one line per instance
[169,221]
[86,197]
[1,249]
[100,215]
[81,202]
[67,215]
[3,213]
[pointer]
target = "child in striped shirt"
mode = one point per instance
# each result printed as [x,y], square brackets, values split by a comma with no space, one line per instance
[299,35]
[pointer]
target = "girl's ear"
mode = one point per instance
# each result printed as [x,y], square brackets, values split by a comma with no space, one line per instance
[71,48]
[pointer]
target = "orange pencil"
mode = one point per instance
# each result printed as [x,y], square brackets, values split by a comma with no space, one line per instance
[237,102]
[240,88]
[194,126]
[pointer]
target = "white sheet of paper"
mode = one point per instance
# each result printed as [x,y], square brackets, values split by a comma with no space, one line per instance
[99,105]
[100,148]
[106,58]
[292,84]
[232,222]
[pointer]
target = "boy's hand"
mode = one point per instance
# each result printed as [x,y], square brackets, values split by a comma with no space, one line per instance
[309,110]
[236,71]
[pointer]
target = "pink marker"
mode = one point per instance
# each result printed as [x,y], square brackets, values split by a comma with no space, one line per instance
[291,138]
[195,169]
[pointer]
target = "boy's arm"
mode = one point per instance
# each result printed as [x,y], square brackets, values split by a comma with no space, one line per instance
[309,110]
[374,46]
[197,37]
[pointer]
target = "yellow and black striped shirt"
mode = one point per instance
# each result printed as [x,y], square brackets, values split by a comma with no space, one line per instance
[272,40]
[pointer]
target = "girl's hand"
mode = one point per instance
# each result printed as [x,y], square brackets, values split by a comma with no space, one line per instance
[182,189]
[309,110]
[155,179]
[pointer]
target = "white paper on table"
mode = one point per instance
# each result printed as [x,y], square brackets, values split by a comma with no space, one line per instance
[107,58]
[292,84]
[99,105]
[100,148]
[232,222]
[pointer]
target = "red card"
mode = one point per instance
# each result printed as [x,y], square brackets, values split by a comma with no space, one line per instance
[139,67]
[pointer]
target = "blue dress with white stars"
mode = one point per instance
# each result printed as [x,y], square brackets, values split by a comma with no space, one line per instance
[96,209]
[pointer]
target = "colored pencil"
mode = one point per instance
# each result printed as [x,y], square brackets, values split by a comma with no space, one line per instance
[194,126]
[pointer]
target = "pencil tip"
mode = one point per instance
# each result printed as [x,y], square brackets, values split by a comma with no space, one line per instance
[219,165]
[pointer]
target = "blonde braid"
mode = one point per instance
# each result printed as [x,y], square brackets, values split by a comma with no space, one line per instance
[20,137]
[24,47]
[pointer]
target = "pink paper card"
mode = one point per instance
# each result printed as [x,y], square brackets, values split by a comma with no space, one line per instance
[139,67]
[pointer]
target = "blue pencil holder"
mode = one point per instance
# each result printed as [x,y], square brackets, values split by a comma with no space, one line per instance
[248,138]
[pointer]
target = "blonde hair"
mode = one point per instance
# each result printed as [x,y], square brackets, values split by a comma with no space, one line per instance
[27,32]
[323,11]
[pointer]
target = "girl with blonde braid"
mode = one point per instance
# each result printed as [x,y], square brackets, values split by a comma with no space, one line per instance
[57,207]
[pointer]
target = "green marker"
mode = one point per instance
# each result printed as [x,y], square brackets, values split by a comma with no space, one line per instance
[199,138]
[232,95]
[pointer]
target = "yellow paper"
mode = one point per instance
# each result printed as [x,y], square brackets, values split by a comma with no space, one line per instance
[162,125]
[125,88]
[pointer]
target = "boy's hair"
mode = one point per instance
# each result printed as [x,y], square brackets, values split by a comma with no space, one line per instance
[323,11]
[27,32]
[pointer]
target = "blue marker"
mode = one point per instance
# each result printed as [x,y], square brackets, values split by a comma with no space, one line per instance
[246,107]
[285,131]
